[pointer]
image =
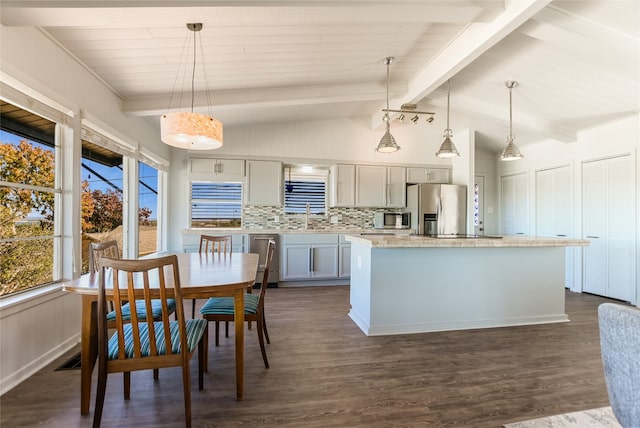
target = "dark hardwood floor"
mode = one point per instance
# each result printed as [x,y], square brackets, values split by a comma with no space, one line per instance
[326,373]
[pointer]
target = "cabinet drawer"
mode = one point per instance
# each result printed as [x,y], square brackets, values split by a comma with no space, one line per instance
[309,238]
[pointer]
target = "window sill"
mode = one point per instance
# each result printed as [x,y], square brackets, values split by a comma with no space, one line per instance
[15,303]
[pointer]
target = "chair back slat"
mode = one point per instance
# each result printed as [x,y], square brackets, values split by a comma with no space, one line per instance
[145,280]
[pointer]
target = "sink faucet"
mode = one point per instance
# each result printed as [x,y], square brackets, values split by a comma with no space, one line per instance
[306,216]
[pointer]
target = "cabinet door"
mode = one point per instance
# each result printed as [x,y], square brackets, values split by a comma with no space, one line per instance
[439,175]
[371,186]
[217,169]
[264,183]
[345,261]
[324,261]
[416,175]
[296,262]
[343,186]
[396,187]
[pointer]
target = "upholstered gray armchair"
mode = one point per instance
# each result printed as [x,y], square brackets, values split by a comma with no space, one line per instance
[620,345]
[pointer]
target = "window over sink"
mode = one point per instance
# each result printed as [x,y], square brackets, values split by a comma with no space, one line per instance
[305,185]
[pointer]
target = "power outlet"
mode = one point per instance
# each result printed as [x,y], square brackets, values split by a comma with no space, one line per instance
[276,219]
[334,219]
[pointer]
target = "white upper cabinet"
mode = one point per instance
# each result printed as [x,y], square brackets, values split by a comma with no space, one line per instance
[416,175]
[371,186]
[264,183]
[208,169]
[343,186]
[396,187]
[381,186]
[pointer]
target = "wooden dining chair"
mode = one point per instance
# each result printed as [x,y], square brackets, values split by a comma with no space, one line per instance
[222,309]
[140,344]
[109,249]
[215,244]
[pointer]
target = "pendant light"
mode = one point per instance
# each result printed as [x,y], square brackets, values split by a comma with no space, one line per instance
[189,130]
[387,142]
[447,148]
[511,152]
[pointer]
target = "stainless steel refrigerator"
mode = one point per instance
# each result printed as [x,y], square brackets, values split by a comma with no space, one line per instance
[438,209]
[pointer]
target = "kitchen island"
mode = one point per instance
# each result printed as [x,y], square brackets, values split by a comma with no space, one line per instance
[412,284]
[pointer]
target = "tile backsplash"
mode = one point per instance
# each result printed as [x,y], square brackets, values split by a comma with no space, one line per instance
[258,217]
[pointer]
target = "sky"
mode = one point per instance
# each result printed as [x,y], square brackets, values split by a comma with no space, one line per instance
[113,175]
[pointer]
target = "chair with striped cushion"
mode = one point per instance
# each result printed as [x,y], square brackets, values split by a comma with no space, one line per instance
[140,344]
[110,249]
[221,308]
[215,244]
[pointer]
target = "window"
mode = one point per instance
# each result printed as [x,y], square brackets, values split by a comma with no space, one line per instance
[102,198]
[216,204]
[147,209]
[27,213]
[304,186]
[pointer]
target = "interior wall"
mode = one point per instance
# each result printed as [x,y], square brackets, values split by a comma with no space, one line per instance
[326,142]
[612,139]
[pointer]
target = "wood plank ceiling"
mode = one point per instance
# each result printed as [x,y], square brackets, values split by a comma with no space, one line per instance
[577,62]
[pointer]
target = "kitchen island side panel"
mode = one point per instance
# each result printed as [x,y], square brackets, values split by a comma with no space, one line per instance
[411,290]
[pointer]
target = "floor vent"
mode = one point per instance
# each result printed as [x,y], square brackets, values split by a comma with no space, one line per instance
[72,363]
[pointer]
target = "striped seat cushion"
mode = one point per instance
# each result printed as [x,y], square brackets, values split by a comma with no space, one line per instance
[195,329]
[224,305]
[156,310]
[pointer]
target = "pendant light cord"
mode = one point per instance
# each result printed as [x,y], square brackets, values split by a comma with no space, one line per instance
[448,96]
[193,73]
[386,113]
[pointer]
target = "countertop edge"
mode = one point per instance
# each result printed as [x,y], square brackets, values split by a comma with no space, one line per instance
[427,242]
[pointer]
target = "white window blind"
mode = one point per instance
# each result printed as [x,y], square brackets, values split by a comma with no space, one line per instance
[216,204]
[301,189]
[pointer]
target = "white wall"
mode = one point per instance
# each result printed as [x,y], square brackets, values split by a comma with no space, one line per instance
[38,326]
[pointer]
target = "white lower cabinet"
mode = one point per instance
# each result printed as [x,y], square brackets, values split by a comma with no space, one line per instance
[344,258]
[309,256]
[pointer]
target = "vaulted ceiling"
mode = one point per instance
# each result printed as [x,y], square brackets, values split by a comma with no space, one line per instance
[577,62]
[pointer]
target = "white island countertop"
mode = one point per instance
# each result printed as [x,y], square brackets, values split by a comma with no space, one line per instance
[420,241]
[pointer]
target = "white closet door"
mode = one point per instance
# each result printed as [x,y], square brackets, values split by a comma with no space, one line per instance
[553,210]
[620,228]
[594,226]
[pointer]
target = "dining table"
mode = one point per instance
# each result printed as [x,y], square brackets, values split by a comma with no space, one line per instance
[202,275]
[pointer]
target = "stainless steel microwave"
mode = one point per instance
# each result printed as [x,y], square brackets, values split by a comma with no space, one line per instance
[385,220]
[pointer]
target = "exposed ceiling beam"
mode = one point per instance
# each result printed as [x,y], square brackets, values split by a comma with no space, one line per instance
[264,98]
[475,40]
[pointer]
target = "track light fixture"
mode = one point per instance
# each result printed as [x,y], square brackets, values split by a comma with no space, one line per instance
[511,151]
[387,142]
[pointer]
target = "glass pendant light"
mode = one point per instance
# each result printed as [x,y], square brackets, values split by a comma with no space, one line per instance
[447,148]
[511,151]
[387,142]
